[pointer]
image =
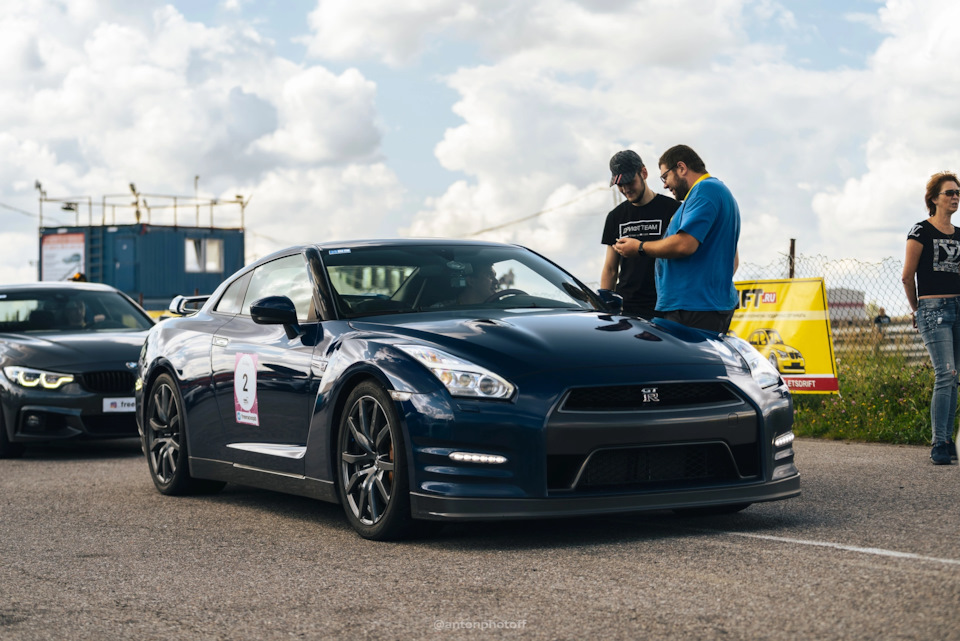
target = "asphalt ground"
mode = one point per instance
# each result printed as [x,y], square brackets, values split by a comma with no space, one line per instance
[90,550]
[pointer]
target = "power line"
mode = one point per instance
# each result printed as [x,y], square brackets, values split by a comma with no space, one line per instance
[19,211]
[535,215]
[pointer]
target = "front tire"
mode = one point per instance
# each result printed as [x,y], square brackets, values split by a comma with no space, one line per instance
[165,442]
[372,466]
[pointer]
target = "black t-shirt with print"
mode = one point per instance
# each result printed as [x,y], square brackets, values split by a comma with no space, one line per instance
[636,282]
[938,273]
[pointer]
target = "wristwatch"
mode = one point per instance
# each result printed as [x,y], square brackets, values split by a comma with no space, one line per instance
[640,251]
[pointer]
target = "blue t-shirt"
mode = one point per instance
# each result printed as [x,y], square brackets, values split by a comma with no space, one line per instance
[702,281]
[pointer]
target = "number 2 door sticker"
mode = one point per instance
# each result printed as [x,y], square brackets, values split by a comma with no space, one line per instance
[245,389]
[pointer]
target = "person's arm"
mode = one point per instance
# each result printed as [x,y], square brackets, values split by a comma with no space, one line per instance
[910,264]
[678,245]
[736,261]
[611,269]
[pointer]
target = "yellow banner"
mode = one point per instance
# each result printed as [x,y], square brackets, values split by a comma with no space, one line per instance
[787,321]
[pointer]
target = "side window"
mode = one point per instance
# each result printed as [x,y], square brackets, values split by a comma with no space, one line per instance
[232,299]
[282,277]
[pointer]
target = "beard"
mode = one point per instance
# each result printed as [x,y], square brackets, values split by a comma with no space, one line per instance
[682,188]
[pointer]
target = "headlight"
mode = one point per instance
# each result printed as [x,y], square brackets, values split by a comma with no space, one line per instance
[781,353]
[26,377]
[460,377]
[746,357]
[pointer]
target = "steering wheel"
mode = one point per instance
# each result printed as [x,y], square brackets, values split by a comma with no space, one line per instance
[504,293]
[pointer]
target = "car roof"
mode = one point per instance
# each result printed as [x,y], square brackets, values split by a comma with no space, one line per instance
[382,242]
[57,285]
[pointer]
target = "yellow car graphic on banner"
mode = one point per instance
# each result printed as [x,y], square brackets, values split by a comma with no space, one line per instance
[786,359]
[786,321]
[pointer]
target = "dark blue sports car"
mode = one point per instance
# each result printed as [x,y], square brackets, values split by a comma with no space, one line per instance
[417,381]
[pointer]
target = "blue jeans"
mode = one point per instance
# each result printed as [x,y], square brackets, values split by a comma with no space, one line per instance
[938,320]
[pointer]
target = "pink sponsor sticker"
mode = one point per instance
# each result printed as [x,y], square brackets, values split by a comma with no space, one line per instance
[245,389]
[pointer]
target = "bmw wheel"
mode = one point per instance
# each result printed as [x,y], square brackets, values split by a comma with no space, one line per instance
[372,483]
[165,442]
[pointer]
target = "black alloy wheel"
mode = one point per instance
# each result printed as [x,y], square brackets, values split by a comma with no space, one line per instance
[372,481]
[165,442]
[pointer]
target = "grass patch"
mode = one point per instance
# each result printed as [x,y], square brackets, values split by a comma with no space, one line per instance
[882,400]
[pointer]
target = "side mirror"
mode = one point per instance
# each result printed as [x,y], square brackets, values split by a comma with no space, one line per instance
[611,300]
[276,310]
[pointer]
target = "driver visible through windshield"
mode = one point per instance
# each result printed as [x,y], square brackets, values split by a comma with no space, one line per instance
[411,278]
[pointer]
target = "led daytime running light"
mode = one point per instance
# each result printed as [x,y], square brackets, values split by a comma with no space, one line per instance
[783,440]
[473,457]
[26,377]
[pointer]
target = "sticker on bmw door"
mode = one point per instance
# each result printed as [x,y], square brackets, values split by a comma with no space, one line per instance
[119,405]
[245,389]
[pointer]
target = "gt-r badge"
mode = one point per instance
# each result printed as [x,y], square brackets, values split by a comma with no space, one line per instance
[650,395]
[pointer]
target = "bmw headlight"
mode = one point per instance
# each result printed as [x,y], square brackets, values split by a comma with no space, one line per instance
[740,354]
[26,377]
[460,377]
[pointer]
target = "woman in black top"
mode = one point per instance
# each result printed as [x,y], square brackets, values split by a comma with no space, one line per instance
[931,279]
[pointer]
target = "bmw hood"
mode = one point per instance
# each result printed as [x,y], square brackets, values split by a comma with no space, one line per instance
[551,340]
[69,353]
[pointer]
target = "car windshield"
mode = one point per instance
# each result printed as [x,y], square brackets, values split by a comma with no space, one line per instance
[424,278]
[46,310]
[774,336]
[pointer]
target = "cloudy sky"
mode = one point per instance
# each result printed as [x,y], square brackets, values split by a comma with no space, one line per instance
[490,119]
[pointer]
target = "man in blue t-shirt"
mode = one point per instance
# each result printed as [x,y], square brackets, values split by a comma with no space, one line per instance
[698,254]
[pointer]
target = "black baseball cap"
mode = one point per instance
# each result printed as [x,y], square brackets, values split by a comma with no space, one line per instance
[624,166]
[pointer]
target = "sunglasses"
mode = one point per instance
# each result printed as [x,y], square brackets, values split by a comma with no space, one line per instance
[953,193]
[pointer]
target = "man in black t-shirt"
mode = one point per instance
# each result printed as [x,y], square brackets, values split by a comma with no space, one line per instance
[643,215]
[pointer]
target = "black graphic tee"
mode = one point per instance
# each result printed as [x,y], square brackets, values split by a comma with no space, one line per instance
[636,282]
[938,273]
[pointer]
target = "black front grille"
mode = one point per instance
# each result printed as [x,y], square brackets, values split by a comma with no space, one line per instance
[620,398]
[110,382]
[663,466]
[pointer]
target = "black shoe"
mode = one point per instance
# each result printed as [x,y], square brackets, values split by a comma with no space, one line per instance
[940,454]
[952,450]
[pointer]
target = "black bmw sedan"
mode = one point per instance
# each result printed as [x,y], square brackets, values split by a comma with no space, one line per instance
[68,354]
[421,381]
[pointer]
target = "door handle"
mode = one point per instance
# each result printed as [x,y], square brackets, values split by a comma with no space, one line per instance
[221,341]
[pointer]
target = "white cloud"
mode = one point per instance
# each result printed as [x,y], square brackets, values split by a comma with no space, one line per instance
[324,118]
[384,29]
[97,98]
[98,94]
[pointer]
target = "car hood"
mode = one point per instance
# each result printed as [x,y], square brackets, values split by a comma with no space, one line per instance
[72,352]
[550,340]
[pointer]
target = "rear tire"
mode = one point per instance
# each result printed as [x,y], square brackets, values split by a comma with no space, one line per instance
[165,442]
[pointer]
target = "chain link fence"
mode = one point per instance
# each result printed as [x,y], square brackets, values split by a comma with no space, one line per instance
[856,293]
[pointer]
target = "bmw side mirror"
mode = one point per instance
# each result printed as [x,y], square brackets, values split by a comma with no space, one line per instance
[276,310]
[611,300]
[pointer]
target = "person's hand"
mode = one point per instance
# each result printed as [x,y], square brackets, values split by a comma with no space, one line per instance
[627,246]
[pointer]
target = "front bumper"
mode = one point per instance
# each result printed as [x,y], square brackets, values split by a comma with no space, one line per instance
[39,416]
[432,507]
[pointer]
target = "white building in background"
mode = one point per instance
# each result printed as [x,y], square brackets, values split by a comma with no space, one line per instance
[844,304]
